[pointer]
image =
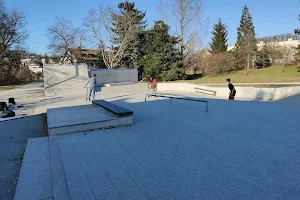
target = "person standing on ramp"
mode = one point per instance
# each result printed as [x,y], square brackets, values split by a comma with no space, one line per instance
[92,85]
[232,90]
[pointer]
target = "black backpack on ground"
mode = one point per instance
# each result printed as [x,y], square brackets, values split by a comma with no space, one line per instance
[7,113]
[3,106]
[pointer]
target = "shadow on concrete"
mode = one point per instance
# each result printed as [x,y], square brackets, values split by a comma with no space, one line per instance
[60,82]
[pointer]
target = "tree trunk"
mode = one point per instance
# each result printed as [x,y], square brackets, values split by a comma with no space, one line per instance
[248,63]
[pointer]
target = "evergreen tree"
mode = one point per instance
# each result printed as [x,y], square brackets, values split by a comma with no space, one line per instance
[132,53]
[219,38]
[161,59]
[246,41]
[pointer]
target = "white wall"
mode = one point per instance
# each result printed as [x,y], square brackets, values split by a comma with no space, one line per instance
[249,93]
[105,76]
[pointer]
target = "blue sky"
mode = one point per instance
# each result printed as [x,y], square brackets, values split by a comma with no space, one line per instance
[270,17]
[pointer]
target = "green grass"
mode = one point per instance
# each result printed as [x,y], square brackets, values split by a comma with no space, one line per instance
[272,74]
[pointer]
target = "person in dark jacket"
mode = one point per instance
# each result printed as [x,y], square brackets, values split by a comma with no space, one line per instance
[232,90]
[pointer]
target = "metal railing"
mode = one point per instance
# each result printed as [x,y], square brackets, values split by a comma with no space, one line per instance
[180,98]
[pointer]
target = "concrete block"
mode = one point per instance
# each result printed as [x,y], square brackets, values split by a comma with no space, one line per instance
[39,191]
[35,166]
[33,178]
[38,154]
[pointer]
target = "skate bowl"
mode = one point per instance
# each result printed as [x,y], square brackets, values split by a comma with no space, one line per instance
[246,93]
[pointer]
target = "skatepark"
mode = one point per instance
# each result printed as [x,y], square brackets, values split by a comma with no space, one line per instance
[127,148]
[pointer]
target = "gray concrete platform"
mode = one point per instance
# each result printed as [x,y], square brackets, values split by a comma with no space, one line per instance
[82,118]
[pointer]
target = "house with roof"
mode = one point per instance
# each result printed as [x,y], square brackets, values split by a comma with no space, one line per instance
[88,56]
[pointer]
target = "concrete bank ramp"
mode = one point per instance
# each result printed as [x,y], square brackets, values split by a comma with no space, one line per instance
[246,93]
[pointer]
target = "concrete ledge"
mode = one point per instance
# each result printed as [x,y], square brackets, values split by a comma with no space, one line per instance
[123,121]
[118,84]
[87,118]
[113,108]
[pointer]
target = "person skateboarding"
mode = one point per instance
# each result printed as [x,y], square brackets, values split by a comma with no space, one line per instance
[232,90]
[92,85]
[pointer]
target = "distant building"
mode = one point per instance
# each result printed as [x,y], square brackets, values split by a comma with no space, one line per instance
[88,56]
[290,43]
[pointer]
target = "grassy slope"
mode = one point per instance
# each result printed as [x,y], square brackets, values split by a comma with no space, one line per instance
[267,75]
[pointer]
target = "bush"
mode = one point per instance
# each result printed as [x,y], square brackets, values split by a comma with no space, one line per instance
[213,64]
[36,76]
[262,59]
[24,75]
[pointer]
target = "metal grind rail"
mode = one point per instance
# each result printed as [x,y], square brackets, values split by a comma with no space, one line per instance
[179,98]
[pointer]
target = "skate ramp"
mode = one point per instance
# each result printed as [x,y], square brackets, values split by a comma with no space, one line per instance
[64,79]
[243,93]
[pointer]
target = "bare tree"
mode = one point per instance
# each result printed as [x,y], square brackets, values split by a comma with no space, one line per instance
[12,34]
[63,35]
[189,22]
[287,55]
[12,28]
[99,23]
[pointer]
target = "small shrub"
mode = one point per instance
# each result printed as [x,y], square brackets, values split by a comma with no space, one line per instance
[36,76]
[213,64]
[24,75]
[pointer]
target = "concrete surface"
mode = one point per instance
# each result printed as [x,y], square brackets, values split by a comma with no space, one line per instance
[243,93]
[82,118]
[28,95]
[239,150]
[67,116]
[13,139]
[106,76]
[35,180]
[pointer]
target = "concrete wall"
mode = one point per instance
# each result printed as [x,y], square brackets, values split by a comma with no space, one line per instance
[105,76]
[250,93]
[54,74]
[80,70]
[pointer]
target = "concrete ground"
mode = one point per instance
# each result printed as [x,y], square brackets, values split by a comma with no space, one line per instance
[27,95]
[13,139]
[239,150]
